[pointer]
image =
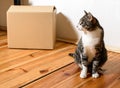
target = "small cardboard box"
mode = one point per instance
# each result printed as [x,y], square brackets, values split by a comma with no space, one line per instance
[32,27]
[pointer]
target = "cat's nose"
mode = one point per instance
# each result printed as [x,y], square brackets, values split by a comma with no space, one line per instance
[78,27]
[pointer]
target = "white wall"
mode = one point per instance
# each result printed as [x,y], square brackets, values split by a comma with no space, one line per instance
[107,12]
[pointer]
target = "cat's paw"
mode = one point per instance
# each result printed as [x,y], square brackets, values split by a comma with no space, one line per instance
[95,75]
[83,75]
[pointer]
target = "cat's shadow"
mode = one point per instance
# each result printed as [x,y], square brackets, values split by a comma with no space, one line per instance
[65,30]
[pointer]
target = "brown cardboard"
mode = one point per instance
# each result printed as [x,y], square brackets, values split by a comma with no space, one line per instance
[32,27]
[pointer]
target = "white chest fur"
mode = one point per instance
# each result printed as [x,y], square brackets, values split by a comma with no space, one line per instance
[90,39]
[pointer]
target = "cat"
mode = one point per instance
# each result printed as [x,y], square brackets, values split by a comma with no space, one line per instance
[90,53]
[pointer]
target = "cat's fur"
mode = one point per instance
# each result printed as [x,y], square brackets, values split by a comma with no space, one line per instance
[90,53]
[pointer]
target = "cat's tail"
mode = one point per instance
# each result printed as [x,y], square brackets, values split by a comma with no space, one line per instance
[71,54]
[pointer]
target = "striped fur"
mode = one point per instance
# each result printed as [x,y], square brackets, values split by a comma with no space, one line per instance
[90,53]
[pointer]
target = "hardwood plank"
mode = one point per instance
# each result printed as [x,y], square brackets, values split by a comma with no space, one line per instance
[37,62]
[36,72]
[70,82]
[20,60]
[11,54]
[105,80]
[55,77]
[3,33]
[116,83]
[8,55]
[3,42]
[3,45]
[45,60]
[73,79]
[3,38]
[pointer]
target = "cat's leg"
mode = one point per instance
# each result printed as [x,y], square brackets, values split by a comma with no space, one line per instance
[95,73]
[96,61]
[84,63]
[80,65]
[83,73]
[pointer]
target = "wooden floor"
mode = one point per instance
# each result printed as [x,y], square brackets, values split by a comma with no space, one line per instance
[51,68]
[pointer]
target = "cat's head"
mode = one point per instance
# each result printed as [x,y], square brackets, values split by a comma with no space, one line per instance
[88,21]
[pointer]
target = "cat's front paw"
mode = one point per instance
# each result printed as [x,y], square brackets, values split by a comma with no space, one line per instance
[83,75]
[95,75]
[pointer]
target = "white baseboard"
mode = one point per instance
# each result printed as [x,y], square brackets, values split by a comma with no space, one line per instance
[112,48]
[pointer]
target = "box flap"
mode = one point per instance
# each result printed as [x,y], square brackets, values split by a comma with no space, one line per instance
[14,8]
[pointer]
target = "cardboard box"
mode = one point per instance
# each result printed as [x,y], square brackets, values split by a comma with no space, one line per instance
[32,27]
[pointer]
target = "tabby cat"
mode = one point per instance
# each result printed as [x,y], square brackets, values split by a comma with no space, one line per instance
[90,53]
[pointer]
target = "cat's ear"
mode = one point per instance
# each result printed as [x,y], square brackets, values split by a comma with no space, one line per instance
[85,12]
[90,16]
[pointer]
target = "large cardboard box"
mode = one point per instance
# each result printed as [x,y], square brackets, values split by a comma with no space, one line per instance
[32,27]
